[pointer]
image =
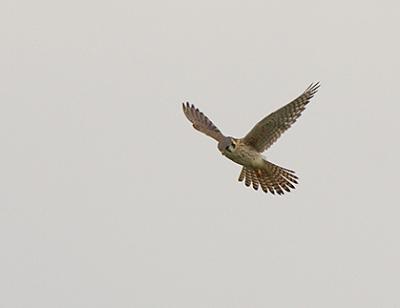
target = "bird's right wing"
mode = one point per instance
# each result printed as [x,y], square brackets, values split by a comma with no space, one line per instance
[201,122]
[269,129]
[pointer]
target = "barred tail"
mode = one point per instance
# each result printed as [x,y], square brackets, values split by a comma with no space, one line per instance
[272,178]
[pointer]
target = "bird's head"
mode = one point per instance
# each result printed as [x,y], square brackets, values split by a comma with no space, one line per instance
[228,144]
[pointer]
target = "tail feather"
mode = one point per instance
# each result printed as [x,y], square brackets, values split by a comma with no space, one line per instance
[265,185]
[272,178]
[247,179]
[242,174]
[255,180]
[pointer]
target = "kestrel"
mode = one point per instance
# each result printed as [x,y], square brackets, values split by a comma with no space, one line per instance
[247,151]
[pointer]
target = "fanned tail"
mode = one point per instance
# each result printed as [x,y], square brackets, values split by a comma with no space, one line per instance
[272,178]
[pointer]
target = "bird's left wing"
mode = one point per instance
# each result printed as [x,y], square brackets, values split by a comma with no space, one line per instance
[269,129]
[201,122]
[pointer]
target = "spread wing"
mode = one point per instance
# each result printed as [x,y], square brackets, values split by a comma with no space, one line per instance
[201,122]
[269,129]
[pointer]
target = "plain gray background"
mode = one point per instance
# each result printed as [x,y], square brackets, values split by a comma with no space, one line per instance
[108,197]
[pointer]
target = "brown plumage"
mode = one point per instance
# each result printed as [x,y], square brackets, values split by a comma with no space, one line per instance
[257,171]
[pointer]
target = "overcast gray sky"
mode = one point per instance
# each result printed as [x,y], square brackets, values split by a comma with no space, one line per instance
[108,197]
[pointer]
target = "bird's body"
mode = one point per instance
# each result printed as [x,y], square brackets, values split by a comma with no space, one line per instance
[244,155]
[247,151]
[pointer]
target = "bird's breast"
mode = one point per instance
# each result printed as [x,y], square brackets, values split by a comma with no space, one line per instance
[246,156]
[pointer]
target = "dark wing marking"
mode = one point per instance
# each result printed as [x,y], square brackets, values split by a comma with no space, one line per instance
[201,122]
[269,129]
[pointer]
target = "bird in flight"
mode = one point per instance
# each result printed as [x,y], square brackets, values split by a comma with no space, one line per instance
[247,151]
